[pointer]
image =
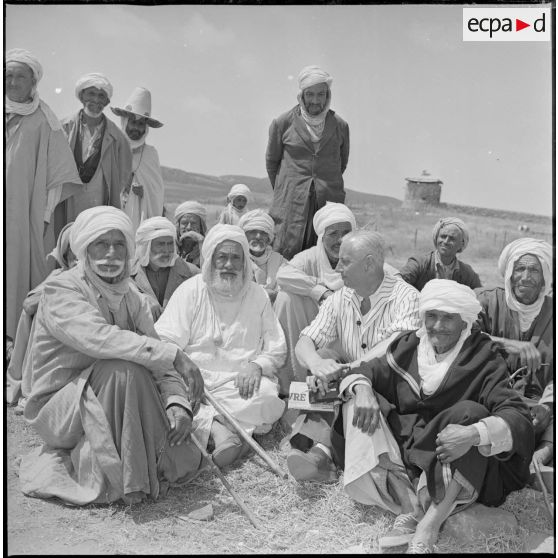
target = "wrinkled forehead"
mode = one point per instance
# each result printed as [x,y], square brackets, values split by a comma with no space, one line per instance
[343,227]
[93,90]
[228,247]
[317,88]
[14,66]
[529,260]
[110,236]
[135,119]
[163,239]
[452,230]
[441,314]
[190,218]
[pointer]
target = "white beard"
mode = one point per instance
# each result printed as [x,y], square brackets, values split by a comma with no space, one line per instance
[95,266]
[227,285]
[159,261]
[92,114]
[257,249]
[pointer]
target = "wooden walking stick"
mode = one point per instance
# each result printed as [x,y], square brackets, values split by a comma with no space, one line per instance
[236,497]
[543,488]
[248,439]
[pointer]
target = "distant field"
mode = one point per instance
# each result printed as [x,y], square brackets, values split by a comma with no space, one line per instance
[406,232]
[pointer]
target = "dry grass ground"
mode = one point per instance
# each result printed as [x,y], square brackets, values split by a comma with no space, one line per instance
[297,518]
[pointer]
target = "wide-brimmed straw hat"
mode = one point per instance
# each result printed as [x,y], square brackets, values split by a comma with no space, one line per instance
[138,104]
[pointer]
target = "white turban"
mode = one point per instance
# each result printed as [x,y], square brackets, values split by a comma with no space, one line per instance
[62,245]
[456,223]
[447,296]
[91,223]
[312,75]
[239,190]
[194,207]
[510,254]
[330,214]
[258,220]
[25,57]
[217,234]
[94,80]
[155,227]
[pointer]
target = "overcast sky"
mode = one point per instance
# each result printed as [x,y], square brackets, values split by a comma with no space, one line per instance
[476,115]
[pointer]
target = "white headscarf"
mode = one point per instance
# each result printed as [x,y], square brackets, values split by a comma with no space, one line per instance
[309,76]
[258,220]
[239,190]
[154,227]
[62,245]
[447,296]
[454,221]
[24,109]
[193,207]
[217,234]
[89,225]
[234,213]
[134,144]
[510,254]
[94,79]
[330,214]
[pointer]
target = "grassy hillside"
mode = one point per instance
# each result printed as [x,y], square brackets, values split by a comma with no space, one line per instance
[406,232]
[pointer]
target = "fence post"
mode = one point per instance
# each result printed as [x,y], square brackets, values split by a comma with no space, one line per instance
[505,239]
[416,232]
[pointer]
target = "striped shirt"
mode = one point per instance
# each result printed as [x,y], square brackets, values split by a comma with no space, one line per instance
[393,307]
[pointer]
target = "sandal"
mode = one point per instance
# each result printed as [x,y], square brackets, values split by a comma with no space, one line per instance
[420,547]
[402,532]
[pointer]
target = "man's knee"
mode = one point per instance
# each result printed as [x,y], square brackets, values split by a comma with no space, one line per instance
[119,371]
[268,400]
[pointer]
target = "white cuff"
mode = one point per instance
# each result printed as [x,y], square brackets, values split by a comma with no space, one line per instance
[348,382]
[265,365]
[496,436]
[317,291]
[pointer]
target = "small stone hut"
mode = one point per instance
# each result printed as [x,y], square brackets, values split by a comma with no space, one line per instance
[423,191]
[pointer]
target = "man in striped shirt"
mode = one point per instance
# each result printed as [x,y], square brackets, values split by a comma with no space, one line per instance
[363,317]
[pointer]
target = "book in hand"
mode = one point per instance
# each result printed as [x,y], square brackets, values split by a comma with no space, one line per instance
[300,397]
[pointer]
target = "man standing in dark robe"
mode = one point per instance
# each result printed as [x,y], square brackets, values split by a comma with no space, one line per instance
[306,157]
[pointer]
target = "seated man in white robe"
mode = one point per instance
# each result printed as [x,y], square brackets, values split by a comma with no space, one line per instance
[112,403]
[363,317]
[225,323]
[191,228]
[145,196]
[157,269]
[259,228]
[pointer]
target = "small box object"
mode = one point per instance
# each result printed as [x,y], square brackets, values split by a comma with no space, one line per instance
[300,397]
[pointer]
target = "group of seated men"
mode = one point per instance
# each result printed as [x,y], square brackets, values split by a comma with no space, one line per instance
[444,393]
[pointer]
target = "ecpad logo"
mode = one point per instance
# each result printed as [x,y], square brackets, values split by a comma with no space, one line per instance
[506,24]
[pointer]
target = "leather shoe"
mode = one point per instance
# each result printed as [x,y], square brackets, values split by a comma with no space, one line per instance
[314,465]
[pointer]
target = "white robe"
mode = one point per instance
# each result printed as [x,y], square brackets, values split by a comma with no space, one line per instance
[222,338]
[147,172]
